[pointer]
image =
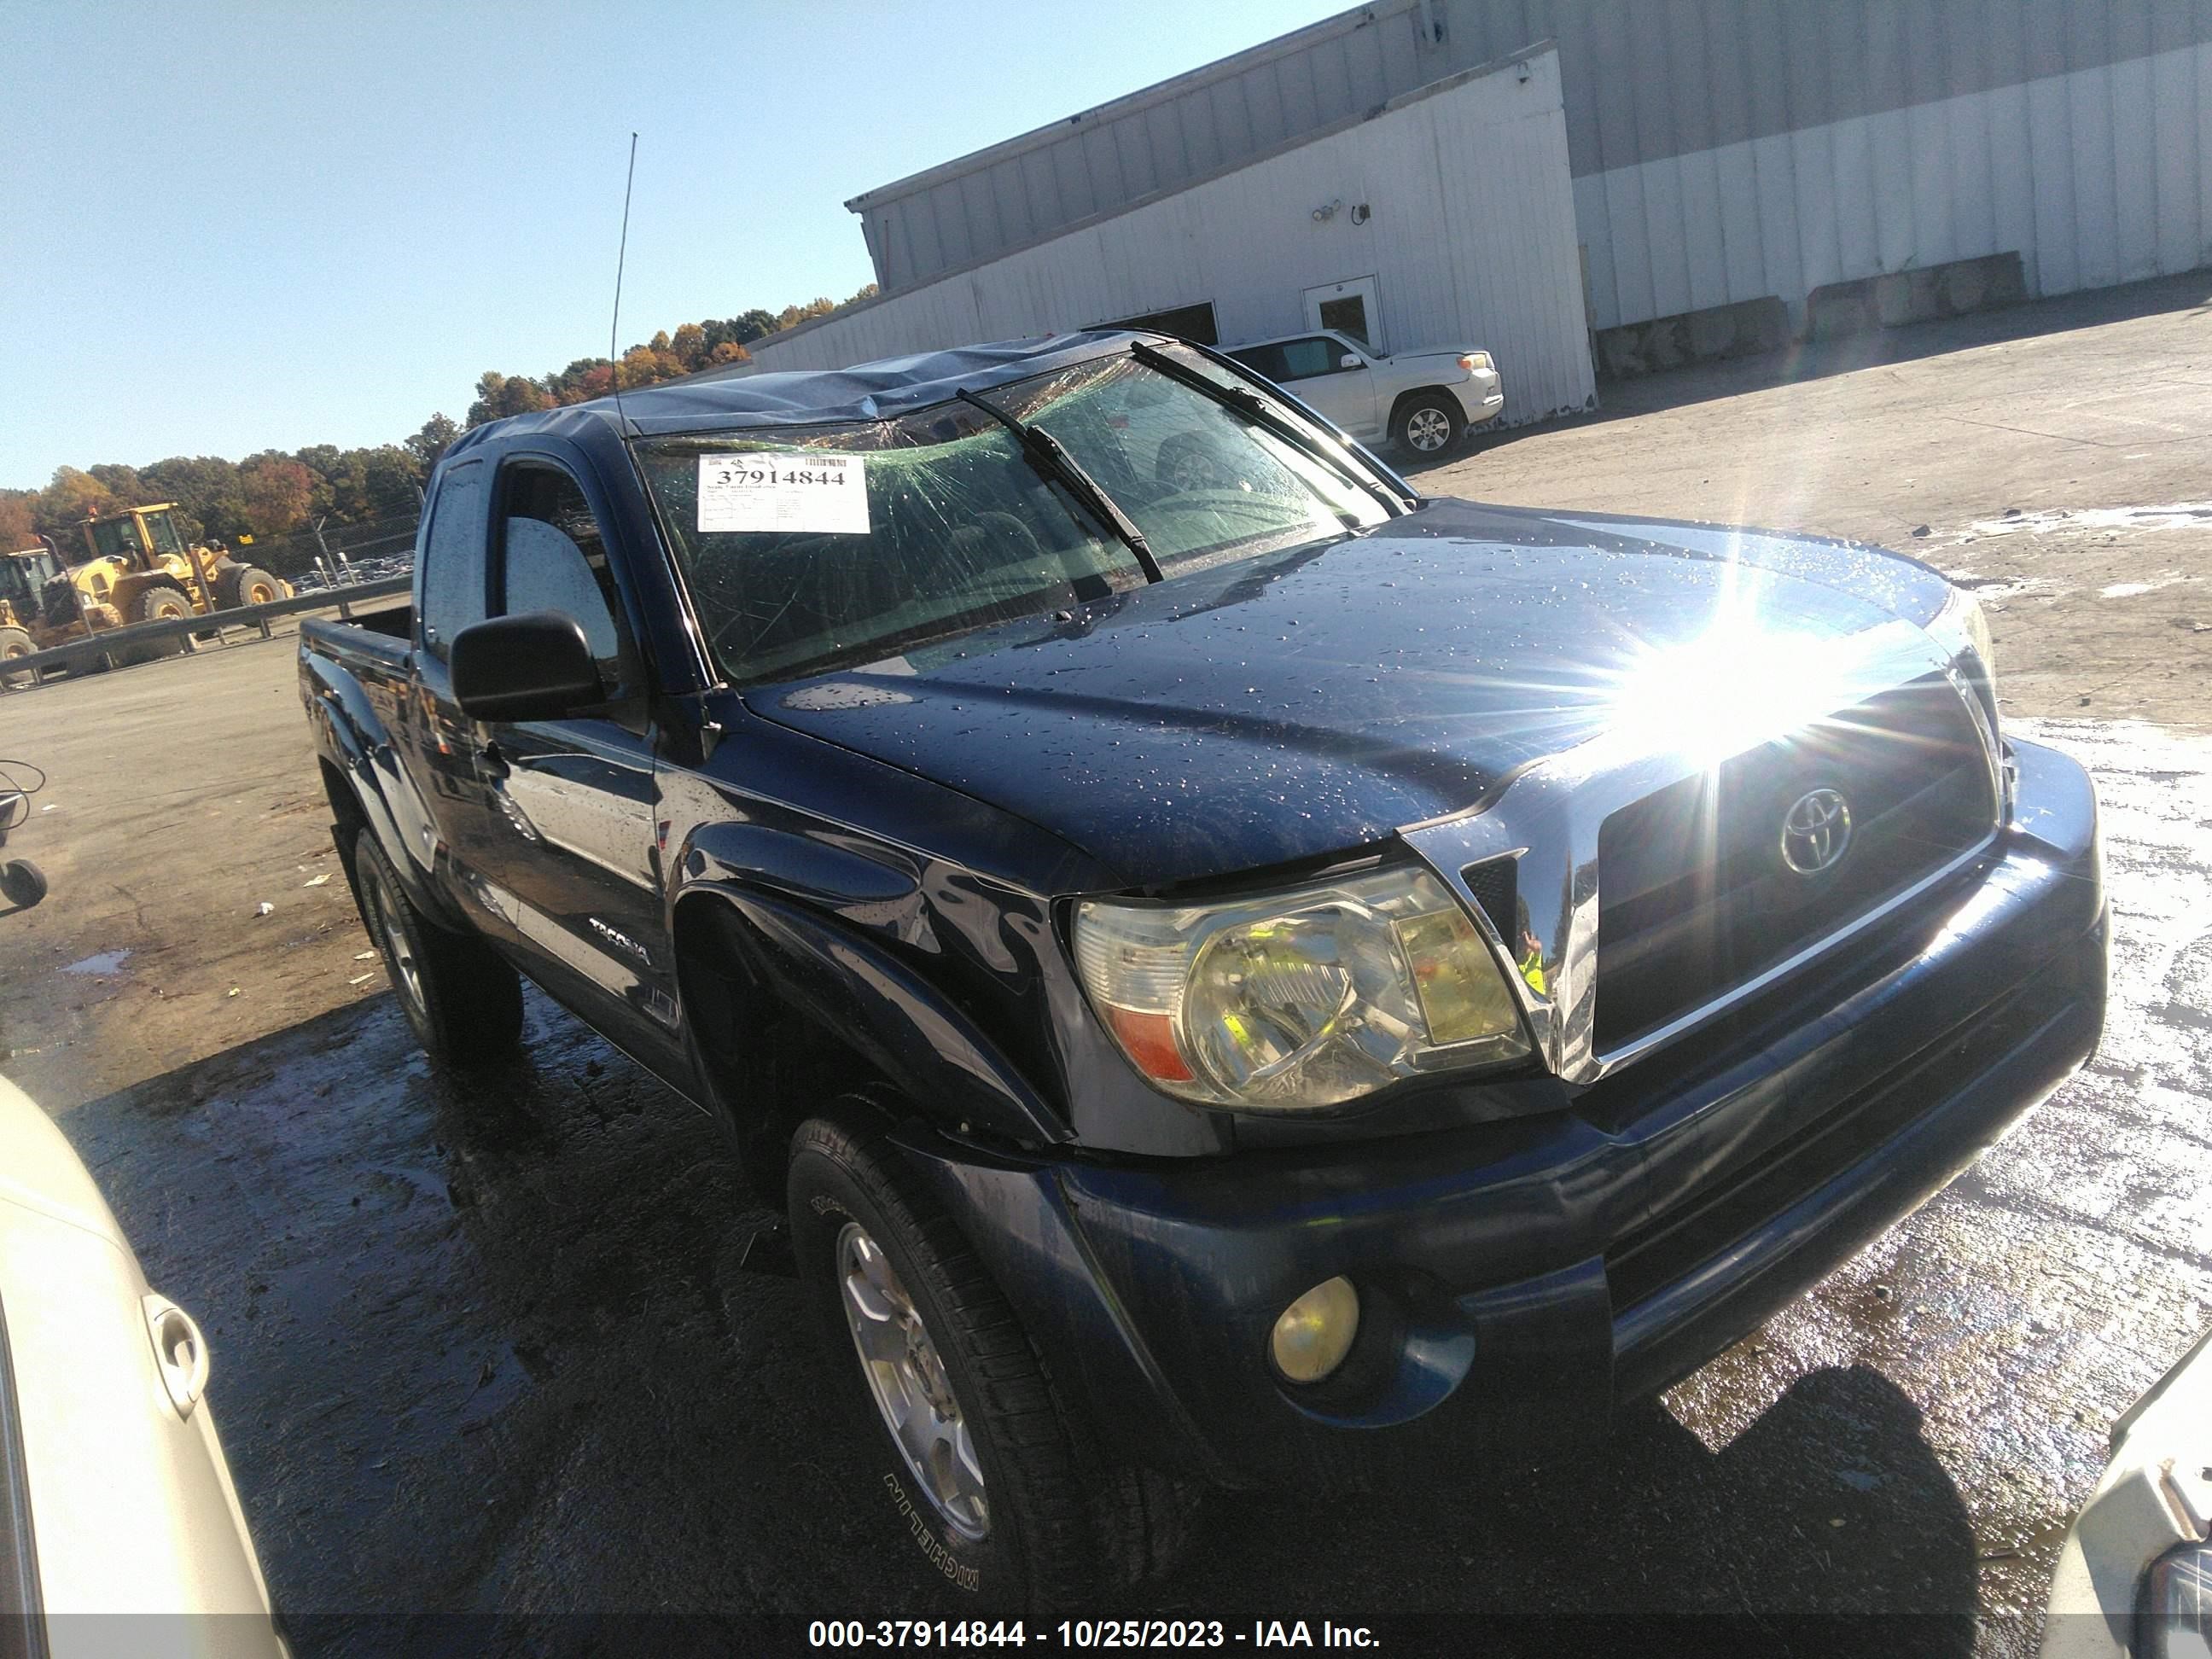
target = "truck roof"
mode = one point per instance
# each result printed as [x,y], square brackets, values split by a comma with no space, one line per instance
[867,392]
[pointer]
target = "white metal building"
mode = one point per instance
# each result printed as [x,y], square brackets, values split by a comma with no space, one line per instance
[1722,154]
[1442,217]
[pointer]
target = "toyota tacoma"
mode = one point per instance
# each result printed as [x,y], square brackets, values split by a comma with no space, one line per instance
[1236,975]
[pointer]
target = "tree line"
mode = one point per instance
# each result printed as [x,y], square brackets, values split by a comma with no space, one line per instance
[277,493]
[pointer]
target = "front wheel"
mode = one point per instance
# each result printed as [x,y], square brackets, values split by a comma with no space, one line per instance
[461,997]
[1428,425]
[17,642]
[163,599]
[981,1468]
[245,584]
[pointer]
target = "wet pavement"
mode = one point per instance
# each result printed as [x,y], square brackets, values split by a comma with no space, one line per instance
[484,1345]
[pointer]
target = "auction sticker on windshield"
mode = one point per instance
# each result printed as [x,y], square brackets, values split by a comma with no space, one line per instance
[783,490]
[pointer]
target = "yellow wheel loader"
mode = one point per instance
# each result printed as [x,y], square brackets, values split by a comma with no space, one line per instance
[137,568]
[21,577]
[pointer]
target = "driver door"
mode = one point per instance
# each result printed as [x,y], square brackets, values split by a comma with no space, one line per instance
[1313,371]
[569,856]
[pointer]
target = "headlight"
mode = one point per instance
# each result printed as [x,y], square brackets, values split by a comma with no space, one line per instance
[1475,362]
[1961,629]
[1300,999]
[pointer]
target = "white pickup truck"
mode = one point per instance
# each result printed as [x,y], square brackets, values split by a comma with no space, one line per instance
[1422,401]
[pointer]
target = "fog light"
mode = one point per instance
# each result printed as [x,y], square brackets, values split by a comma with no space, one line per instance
[1315,1332]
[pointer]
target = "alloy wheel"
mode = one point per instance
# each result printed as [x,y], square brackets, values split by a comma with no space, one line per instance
[406,972]
[906,1377]
[1428,430]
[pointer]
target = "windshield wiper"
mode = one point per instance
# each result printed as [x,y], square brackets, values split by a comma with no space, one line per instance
[1256,410]
[1051,457]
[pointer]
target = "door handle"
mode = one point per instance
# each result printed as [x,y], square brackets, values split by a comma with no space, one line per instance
[180,1353]
[491,762]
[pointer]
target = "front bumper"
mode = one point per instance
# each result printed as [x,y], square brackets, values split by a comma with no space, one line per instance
[1482,395]
[1523,1277]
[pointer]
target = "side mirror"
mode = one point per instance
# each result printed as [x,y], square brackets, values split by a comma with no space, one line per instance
[536,667]
[1351,360]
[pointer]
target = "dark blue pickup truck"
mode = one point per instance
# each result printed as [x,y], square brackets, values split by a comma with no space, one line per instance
[1238,973]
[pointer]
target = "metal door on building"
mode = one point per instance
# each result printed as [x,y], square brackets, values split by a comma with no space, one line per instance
[1350,307]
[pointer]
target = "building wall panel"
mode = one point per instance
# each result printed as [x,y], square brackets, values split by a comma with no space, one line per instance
[1473,242]
[2094,175]
[1645,80]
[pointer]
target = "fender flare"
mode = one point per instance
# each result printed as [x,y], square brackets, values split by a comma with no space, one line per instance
[792,959]
[355,744]
[1398,405]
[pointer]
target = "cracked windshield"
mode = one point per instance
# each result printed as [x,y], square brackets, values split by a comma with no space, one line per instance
[959,523]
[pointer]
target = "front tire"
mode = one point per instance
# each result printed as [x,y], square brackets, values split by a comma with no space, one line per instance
[462,999]
[17,643]
[1428,424]
[240,585]
[163,599]
[979,1465]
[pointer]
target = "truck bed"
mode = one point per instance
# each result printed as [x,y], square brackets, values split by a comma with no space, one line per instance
[378,638]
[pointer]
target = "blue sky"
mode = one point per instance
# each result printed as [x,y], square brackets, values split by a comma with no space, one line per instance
[240,227]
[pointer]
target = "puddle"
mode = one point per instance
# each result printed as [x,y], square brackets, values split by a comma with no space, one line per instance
[2182,515]
[108,962]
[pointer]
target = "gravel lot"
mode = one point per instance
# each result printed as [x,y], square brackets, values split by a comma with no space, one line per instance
[486,1348]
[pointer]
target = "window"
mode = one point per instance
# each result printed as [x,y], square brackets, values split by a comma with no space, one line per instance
[454,556]
[552,557]
[1317,355]
[1265,360]
[1346,314]
[164,527]
[1198,480]
[962,532]
[116,538]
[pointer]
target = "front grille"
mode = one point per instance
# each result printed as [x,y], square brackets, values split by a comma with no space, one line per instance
[1694,896]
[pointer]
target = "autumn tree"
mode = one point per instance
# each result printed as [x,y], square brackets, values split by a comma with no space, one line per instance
[499,396]
[432,441]
[277,492]
[219,498]
[206,489]
[73,496]
[791,316]
[123,483]
[17,531]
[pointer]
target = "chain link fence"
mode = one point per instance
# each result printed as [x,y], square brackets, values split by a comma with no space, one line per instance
[339,554]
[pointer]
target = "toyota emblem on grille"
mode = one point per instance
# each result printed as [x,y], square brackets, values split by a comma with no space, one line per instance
[1815,831]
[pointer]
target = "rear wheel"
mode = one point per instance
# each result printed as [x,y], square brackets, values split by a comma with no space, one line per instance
[460,996]
[981,1467]
[1427,423]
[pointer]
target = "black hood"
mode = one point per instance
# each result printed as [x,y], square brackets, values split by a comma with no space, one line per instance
[1311,701]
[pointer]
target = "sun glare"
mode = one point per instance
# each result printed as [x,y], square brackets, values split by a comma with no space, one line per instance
[1742,682]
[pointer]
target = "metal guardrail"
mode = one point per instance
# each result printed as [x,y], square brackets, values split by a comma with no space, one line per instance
[110,643]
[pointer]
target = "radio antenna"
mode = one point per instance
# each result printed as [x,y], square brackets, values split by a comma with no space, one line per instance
[613,324]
